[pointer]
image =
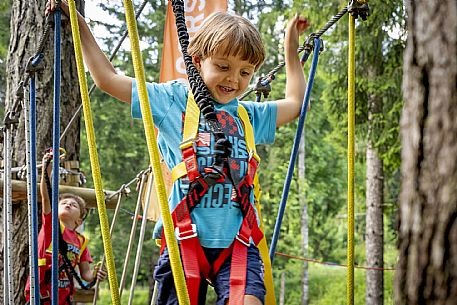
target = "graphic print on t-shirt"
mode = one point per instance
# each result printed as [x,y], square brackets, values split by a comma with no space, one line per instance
[220,194]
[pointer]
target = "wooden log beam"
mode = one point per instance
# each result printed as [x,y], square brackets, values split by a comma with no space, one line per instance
[20,193]
[83,296]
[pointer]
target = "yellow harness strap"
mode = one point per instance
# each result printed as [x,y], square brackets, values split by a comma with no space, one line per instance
[82,239]
[191,122]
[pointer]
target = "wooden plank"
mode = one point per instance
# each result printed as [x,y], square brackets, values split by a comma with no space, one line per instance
[83,296]
[20,193]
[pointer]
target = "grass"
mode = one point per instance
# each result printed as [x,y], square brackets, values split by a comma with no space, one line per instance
[327,286]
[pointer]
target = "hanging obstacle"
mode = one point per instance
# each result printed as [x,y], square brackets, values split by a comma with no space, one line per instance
[95,165]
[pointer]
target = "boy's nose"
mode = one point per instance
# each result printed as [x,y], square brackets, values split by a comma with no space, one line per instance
[232,78]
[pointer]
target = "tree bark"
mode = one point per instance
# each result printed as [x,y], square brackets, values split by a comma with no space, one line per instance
[27,24]
[304,218]
[428,201]
[282,293]
[374,228]
[374,294]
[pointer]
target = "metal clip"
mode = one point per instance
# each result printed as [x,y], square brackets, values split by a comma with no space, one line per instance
[359,8]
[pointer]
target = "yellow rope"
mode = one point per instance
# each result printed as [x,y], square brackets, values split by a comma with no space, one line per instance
[351,141]
[95,166]
[176,265]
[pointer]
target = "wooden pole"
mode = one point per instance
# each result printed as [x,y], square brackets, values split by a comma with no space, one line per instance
[20,193]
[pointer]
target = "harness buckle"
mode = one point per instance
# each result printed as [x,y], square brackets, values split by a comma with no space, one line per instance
[187,143]
[253,154]
[242,239]
[186,234]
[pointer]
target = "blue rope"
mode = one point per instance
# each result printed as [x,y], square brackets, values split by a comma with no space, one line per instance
[33,182]
[293,156]
[55,164]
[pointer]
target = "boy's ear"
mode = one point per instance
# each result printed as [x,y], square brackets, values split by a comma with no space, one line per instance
[197,62]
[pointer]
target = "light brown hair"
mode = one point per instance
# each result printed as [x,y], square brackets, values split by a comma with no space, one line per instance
[81,203]
[231,35]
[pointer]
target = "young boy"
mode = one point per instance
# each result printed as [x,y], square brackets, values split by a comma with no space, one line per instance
[227,51]
[72,210]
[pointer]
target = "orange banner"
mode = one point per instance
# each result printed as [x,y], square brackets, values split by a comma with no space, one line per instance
[196,11]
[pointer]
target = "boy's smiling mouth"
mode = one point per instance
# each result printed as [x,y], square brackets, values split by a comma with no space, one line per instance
[226,89]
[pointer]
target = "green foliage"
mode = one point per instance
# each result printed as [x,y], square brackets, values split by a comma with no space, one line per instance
[141,296]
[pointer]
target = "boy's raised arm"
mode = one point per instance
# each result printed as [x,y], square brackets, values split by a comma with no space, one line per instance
[289,107]
[45,201]
[101,69]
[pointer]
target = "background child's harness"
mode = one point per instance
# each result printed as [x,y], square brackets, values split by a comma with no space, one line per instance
[45,263]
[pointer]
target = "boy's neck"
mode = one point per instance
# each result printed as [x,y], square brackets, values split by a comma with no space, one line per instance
[69,224]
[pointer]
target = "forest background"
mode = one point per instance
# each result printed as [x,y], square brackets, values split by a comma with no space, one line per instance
[321,192]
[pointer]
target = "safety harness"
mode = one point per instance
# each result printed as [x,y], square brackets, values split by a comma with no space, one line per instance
[194,260]
[45,263]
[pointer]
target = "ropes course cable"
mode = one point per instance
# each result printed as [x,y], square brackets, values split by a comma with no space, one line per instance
[113,222]
[175,261]
[139,249]
[113,54]
[132,236]
[30,135]
[55,165]
[312,260]
[293,155]
[203,98]
[95,164]
[350,157]
[8,296]
[263,81]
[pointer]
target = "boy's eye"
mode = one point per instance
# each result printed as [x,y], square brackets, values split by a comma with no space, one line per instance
[223,67]
[245,73]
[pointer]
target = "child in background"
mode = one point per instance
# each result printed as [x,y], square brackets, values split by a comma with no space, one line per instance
[227,51]
[72,210]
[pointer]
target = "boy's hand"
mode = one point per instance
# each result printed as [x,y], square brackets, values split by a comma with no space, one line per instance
[296,26]
[100,274]
[46,158]
[51,6]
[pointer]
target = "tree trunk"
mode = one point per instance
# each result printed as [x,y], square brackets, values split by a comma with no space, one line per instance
[374,294]
[428,201]
[27,24]
[304,218]
[374,228]
[282,293]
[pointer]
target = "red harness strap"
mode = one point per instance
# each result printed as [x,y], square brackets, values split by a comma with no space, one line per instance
[193,257]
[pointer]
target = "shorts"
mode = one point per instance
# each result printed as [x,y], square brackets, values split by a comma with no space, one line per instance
[254,278]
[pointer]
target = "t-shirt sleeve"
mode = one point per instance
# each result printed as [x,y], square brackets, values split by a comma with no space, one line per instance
[161,98]
[263,120]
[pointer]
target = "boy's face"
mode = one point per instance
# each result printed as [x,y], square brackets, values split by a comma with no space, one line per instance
[225,76]
[70,211]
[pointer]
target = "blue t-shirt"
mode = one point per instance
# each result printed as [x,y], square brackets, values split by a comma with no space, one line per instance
[217,218]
